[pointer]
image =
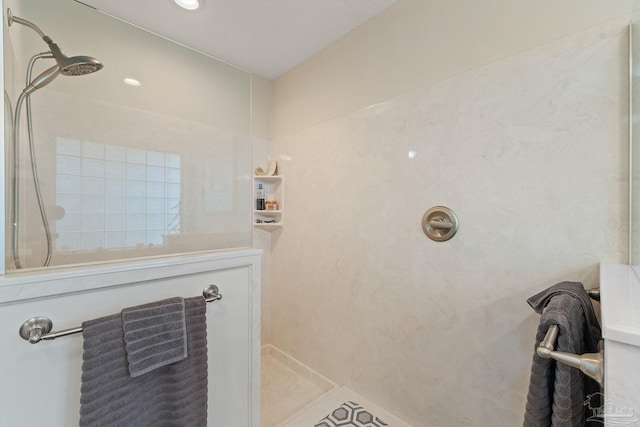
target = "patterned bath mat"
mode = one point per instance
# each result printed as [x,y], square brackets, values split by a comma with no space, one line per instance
[350,414]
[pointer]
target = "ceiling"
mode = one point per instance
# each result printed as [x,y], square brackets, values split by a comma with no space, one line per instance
[266,37]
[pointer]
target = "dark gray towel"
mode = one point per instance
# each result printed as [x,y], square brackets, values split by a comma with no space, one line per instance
[576,289]
[557,392]
[155,335]
[173,395]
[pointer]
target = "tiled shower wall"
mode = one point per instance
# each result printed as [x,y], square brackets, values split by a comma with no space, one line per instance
[529,150]
[163,168]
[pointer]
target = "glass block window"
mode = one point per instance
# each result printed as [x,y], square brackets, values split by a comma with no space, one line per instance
[115,196]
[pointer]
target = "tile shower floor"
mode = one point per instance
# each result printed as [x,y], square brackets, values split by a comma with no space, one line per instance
[287,387]
[293,395]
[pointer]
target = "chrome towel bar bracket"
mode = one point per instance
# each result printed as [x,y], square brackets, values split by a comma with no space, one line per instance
[39,328]
[591,364]
[594,293]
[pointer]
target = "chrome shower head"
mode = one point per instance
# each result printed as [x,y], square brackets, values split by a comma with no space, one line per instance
[75,65]
[81,65]
[69,66]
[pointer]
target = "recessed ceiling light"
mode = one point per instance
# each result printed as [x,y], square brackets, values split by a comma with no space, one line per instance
[188,4]
[132,82]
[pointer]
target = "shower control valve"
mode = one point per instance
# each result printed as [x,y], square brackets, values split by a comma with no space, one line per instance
[440,223]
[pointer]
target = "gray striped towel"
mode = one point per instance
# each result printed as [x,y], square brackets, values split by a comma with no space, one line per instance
[154,335]
[173,395]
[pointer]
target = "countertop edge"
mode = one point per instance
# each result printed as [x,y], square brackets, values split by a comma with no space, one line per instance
[620,303]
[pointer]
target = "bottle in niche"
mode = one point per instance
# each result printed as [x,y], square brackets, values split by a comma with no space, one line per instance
[260,198]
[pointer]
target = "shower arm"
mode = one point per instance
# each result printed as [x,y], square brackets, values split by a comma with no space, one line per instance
[11,19]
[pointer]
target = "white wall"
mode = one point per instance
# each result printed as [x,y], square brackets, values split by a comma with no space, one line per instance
[261,100]
[418,42]
[530,151]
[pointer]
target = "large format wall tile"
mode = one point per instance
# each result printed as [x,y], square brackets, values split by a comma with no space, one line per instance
[529,151]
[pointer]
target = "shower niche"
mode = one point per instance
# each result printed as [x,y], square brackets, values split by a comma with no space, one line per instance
[270,219]
[150,156]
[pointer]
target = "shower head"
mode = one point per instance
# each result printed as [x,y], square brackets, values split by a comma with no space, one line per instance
[81,65]
[75,65]
[69,66]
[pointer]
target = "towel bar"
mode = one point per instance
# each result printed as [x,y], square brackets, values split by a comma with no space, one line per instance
[39,328]
[591,364]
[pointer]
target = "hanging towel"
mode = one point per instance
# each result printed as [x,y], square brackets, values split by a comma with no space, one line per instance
[557,392]
[155,335]
[172,395]
[539,301]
